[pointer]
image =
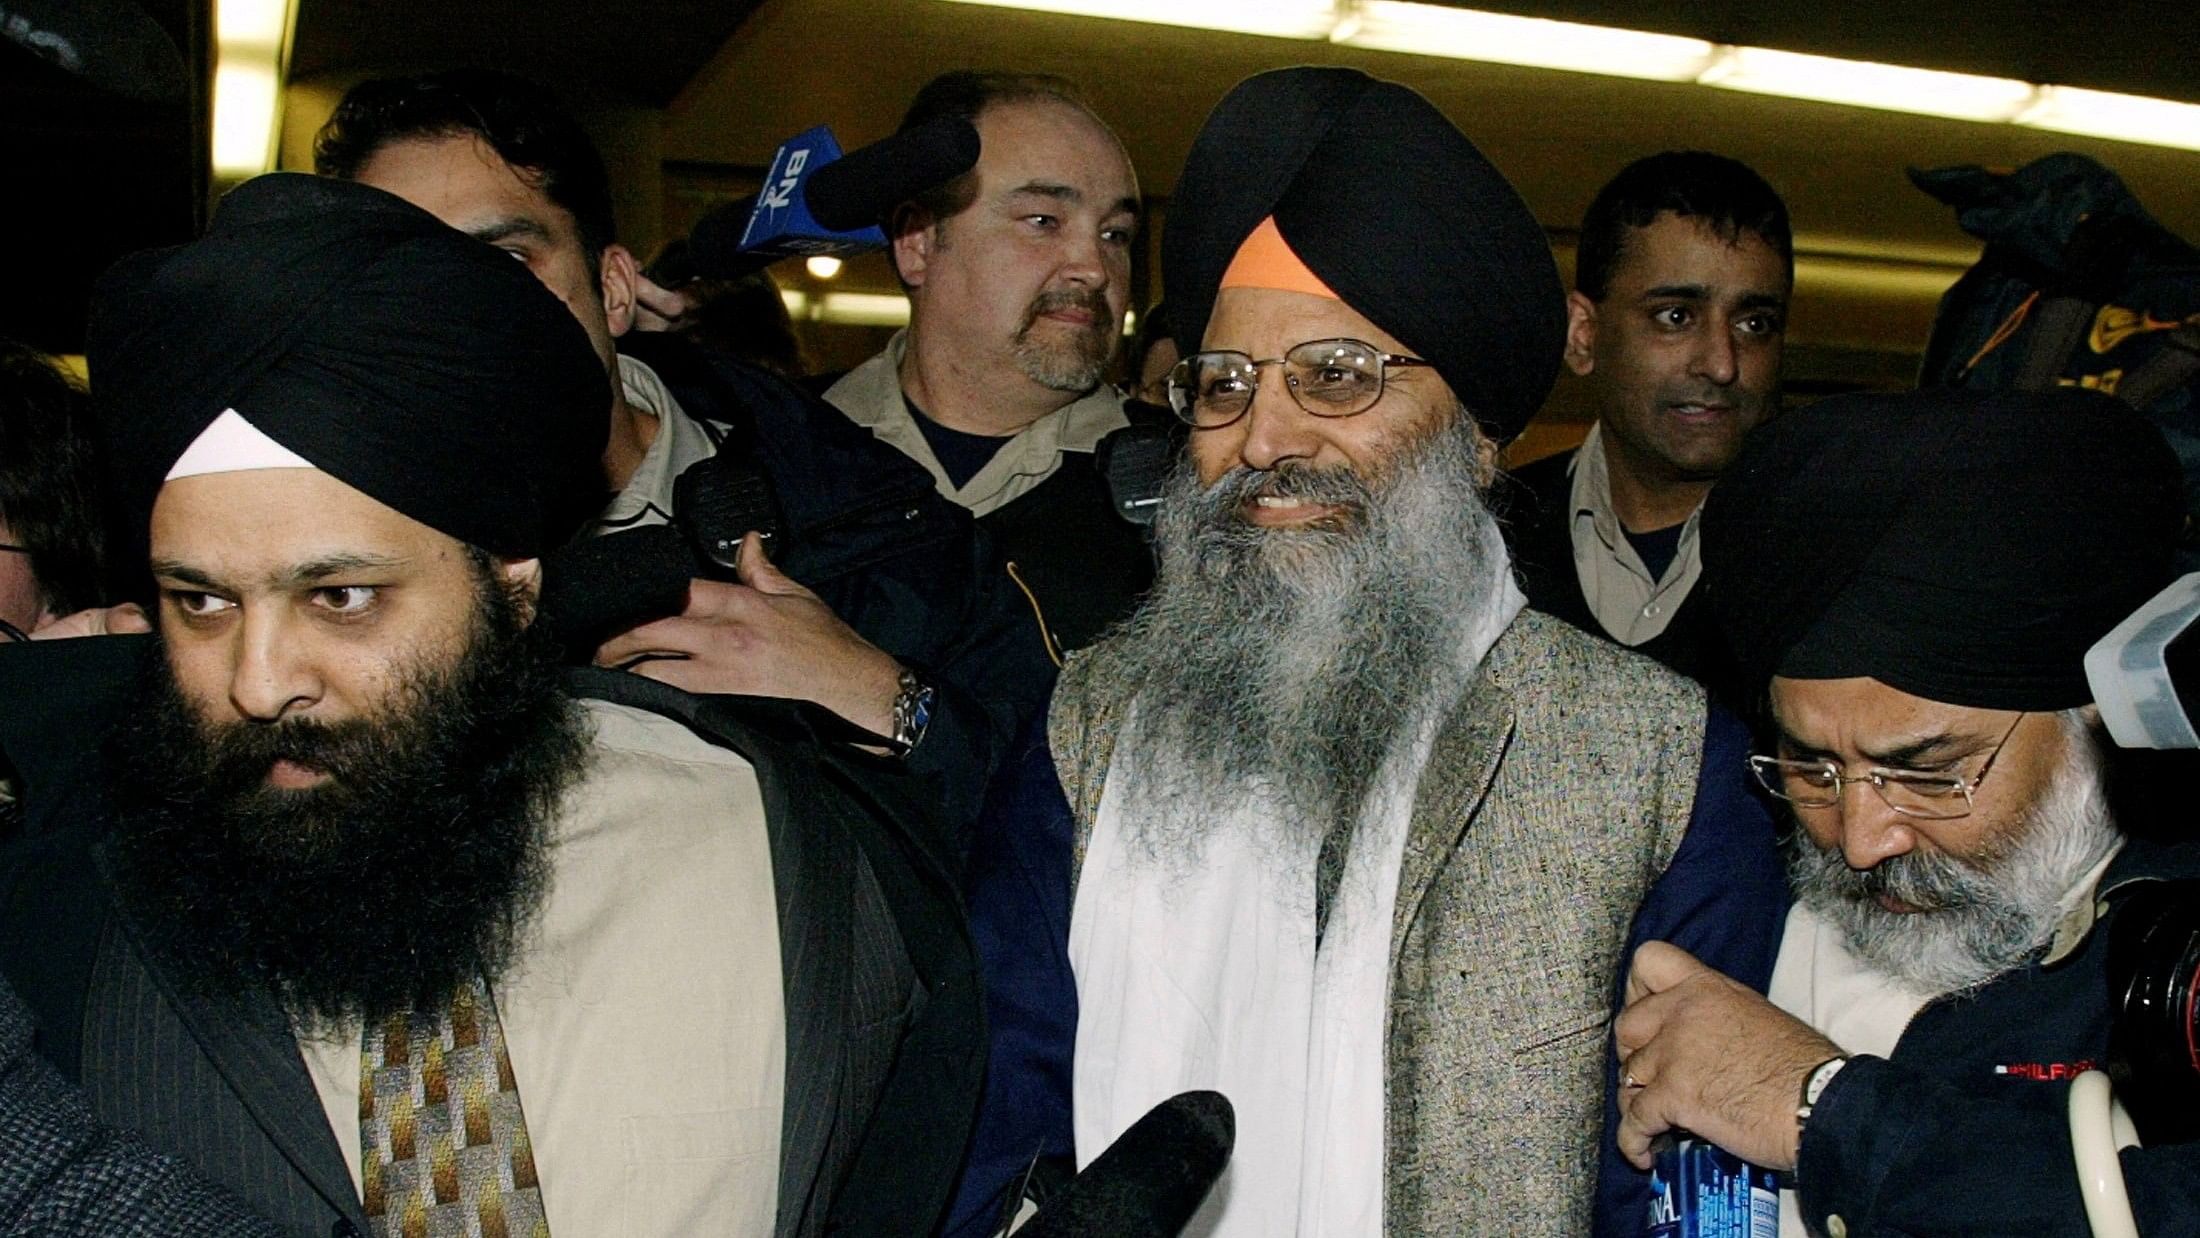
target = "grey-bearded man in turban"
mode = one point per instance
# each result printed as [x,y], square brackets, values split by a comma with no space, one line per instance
[1360,841]
[1913,581]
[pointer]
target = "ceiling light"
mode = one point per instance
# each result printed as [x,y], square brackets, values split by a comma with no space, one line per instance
[244,118]
[1283,19]
[262,22]
[1434,30]
[1468,34]
[1860,83]
[2129,118]
[251,43]
[864,309]
[823,266]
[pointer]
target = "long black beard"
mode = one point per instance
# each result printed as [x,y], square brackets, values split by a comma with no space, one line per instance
[1288,665]
[414,867]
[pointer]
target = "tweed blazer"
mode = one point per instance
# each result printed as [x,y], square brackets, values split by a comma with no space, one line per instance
[1556,792]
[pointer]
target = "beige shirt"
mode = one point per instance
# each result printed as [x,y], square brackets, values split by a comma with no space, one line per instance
[645,1017]
[871,396]
[1629,605]
[681,441]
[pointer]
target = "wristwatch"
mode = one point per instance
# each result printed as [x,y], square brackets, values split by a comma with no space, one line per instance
[912,714]
[1814,1086]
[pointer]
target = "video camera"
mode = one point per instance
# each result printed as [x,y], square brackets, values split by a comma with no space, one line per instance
[2145,677]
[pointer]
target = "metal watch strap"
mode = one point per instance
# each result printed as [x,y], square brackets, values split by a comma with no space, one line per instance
[912,713]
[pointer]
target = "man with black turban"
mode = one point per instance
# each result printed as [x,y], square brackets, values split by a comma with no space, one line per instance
[365,912]
[1918,578]
[1360,841]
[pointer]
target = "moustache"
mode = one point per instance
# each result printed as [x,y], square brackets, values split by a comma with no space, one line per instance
[238,755]
[1340,488]
[1091,302]
[1929,881]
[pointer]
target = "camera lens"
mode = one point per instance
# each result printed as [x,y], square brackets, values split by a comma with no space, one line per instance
[2154,974]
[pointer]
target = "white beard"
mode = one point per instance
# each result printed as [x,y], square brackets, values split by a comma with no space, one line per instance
[1284,665]
[1991,914]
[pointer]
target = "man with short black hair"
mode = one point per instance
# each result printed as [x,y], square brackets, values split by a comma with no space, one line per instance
[50,535]
[1679,309]
[1911,582]
[1018,273]
[360,906]
[875,601]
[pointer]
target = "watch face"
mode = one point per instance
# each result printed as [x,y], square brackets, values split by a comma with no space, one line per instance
[1820,1077]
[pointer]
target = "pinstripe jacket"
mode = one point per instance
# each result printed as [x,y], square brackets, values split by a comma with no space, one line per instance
[1556,792]
[884,1029]
[61,1173]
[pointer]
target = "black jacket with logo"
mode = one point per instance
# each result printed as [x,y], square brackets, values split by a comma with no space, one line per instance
[1965,1129]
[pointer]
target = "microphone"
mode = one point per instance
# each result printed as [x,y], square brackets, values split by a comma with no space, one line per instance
[1136,460]
[1151,1180]
[598,587]
[816,201]
[865,185]
[113,44]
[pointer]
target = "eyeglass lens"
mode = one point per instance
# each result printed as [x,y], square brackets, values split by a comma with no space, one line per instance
[1328,378]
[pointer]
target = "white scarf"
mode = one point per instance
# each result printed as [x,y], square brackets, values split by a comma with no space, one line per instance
[1207,976]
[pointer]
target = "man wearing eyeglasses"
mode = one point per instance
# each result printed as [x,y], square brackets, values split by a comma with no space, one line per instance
[1360,842]
[1917,578]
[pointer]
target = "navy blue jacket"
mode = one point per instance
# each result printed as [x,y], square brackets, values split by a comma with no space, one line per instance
[866,531]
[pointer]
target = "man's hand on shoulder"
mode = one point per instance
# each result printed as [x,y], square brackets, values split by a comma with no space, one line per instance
[658,308]
[127,619]
[1704,1053]
[765,636]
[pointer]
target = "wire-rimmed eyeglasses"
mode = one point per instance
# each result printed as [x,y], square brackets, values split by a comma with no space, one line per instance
[1913,793]
[1328,378]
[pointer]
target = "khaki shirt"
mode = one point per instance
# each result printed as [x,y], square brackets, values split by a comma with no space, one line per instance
[1629,605]
[645,1016]
[681,441]
[871,396]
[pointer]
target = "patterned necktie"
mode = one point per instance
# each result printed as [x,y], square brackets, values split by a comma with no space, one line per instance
[443,1145]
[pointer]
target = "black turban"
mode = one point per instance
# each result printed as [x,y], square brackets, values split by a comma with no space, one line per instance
[1395,210]
[1965,547]
[426,370]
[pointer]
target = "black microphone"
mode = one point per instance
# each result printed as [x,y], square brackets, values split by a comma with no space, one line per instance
[861,187]
[1150,1180]
[849,194]
[1136,461]
[598,587]
[714,243]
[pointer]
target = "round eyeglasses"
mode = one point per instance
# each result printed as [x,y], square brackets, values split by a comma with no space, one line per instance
[1913,793]
[1328,378]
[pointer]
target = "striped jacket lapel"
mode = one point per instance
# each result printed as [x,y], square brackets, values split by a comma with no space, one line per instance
[249,1042]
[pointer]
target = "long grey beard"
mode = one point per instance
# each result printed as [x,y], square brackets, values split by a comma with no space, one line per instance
[1992,911]
[1282,667]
